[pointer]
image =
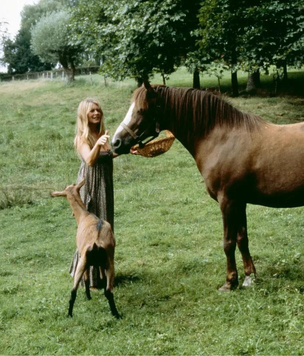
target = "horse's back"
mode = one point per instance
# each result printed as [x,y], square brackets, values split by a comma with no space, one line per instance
[265,166]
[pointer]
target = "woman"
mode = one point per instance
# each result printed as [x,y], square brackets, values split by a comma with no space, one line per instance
[94,150]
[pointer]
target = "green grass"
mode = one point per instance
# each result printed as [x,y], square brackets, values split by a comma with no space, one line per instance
[169,257]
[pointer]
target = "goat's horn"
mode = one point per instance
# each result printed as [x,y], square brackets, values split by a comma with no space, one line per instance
[80,184]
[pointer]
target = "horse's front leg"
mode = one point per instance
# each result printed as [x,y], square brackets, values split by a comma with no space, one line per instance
[243,244]
[230,212]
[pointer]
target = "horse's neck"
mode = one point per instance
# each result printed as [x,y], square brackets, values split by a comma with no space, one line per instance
[175,121]
[191,115]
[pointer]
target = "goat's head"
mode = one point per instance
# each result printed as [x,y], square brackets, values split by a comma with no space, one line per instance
[69,190]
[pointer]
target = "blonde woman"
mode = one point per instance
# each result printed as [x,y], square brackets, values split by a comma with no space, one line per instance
[92,145]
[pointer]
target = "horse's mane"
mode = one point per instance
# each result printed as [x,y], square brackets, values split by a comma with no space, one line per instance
[197,111]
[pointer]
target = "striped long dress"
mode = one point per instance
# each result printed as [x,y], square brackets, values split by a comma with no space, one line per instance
[98,196]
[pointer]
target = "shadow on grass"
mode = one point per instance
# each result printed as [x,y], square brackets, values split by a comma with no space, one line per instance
[121,280]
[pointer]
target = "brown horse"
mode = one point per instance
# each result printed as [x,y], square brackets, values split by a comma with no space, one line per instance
[242,158]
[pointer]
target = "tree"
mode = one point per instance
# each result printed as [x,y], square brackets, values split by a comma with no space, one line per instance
[252,34]
[19,57]
[275,34]
[50,41]
[136,38]
[222,27]
[17,52]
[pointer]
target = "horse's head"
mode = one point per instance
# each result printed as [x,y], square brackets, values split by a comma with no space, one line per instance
[141,123]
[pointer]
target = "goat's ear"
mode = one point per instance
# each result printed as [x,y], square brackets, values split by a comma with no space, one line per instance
[80,184]
[59,194]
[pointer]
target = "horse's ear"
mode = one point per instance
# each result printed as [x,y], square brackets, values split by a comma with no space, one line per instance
[151,94]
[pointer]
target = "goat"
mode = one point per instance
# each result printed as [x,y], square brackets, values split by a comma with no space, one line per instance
[96,244]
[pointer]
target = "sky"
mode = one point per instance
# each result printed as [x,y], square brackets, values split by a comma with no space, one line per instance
[10,12]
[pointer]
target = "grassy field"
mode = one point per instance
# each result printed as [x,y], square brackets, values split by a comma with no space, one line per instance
[169,257]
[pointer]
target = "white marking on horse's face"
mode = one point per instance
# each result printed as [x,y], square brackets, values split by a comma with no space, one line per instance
[126,121]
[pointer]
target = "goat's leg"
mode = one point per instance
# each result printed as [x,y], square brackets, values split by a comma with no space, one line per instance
[109,276]
[87,283]
[78,275]
[110,296]
[72,301]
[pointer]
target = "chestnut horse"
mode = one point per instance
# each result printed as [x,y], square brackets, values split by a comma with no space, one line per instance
[242,158]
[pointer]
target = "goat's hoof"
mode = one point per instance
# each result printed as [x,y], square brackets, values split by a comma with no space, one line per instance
[118,316]
[70,315]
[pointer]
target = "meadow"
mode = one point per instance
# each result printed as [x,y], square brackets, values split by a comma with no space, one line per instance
[169,256]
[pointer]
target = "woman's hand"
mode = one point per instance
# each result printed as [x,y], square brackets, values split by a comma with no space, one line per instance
[103,139]
[90,155]
[134,151]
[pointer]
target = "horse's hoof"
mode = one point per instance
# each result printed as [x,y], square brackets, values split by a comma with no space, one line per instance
[225,288]
[229,286]
[248,282]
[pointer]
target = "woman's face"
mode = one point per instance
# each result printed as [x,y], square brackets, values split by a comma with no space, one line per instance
[94,115]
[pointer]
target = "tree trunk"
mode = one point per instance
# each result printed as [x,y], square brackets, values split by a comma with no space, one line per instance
[196,79]
[285,75]
[235,84]
[69,70]
[253,81]
[140,81]
[70,73]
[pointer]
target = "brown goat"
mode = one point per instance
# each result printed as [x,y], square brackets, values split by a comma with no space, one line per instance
[96,244]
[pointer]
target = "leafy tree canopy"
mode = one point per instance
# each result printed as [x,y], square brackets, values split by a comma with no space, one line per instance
[17,53]
[253,33]
[136,37]
[50,41]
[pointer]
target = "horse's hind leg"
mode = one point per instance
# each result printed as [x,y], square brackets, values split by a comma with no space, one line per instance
[243,244]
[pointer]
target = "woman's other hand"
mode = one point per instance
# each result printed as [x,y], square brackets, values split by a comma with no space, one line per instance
[134,151]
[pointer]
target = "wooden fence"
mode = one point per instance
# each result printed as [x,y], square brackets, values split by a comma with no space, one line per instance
[49,74]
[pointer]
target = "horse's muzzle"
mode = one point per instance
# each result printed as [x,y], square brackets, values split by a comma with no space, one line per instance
[119,148]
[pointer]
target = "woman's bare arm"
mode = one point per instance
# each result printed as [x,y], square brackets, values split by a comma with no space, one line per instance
[90,156]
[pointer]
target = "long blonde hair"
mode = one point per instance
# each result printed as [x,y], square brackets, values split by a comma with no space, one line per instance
[83,133]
